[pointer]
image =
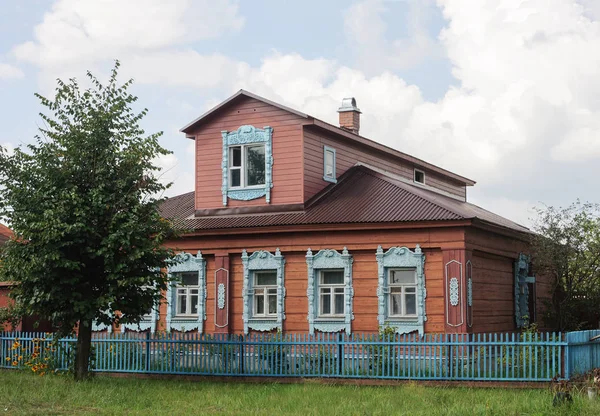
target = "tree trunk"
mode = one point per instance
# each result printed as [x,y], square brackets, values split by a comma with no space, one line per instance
[82,355]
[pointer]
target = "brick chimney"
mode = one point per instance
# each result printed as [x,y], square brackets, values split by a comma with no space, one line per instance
[349,115]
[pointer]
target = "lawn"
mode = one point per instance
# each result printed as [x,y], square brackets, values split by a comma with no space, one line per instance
[24,393]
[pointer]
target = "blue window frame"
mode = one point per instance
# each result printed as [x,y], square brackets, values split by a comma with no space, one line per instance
[329,172]
[401,289]
[329,291]
[247,165]
[263,291]
[186,295]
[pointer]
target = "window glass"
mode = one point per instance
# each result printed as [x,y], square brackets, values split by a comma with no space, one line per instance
[331,293]
[326,301]
[236,178]
[272,294]
[335,277]
[411,303]
[265,293]
[189,279]
[396,301]
[339,301]
[402,277]
[266,278]
[329,159]
[255,165]
[419,176]
[236,156]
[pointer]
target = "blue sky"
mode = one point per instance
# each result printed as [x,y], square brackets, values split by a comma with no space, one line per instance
[505,92]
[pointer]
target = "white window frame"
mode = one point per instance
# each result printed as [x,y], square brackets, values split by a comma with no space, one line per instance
[333,176]
[403,293]
[265,295]
[187,292]
[332,295]
[242,168]
[415,176]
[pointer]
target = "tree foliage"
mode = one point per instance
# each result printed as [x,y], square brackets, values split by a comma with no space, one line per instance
[566,248]
[82,202]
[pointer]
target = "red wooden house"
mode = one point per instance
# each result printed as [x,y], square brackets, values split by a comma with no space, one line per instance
[302,226]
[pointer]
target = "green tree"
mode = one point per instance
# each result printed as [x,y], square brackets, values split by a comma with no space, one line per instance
[82,202]
[566,248]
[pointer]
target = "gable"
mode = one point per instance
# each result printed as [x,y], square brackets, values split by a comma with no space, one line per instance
[212,189]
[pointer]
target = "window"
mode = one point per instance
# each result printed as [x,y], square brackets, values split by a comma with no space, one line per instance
[247,166]
[419,176]
[402,293]
[329,164]
[263,291]
[187,294]
[265,294]
[331,293]
[401,290]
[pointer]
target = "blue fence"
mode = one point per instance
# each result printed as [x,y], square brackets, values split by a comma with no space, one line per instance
[583,352]
[498,357]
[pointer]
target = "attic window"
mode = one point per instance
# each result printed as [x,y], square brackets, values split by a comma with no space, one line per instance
[329,164]
[419,176]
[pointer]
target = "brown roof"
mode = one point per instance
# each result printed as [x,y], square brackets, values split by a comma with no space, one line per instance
[310,120]
[361,195]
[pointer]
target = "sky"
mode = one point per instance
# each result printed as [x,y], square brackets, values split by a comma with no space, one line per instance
[505,92]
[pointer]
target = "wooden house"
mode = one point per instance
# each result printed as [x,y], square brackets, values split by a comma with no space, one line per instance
[301,226]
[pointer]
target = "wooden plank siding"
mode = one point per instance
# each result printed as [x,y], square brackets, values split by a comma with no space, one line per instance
[493,293]
[348,154]
[361,245]
[287,166]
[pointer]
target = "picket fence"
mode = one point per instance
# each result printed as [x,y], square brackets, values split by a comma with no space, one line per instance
[477,357]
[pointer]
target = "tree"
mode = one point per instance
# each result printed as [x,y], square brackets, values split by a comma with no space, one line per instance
[82,202]
[566,248]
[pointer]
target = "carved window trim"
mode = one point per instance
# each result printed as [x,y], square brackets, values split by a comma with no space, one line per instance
[521,270]
[469,273]
[186,262]
[246,135]
[324,260]
[333,177]
[401,257]
[262,261]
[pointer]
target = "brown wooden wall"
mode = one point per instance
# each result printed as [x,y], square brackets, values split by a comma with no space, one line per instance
[348,154]
[361,245]
[493,293]
[287,166]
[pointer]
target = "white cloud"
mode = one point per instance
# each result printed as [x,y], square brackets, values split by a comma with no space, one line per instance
[75,31]
[75,36]
[8,71]
[366,28]
[525,108]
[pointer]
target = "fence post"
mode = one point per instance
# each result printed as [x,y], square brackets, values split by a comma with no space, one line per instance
[148,351]
[566,358]
[449,355]
[340,353]
[241,350]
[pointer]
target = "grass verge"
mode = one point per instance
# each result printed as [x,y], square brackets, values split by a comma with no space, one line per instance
[22,393]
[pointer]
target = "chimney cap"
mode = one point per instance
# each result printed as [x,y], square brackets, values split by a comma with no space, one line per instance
[348,104]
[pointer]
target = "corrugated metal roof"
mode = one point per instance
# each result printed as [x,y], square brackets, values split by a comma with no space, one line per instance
[360,196]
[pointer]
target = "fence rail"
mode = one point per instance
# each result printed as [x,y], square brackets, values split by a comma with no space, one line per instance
[498,357]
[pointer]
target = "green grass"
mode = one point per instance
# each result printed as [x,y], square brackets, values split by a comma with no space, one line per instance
[26,394]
